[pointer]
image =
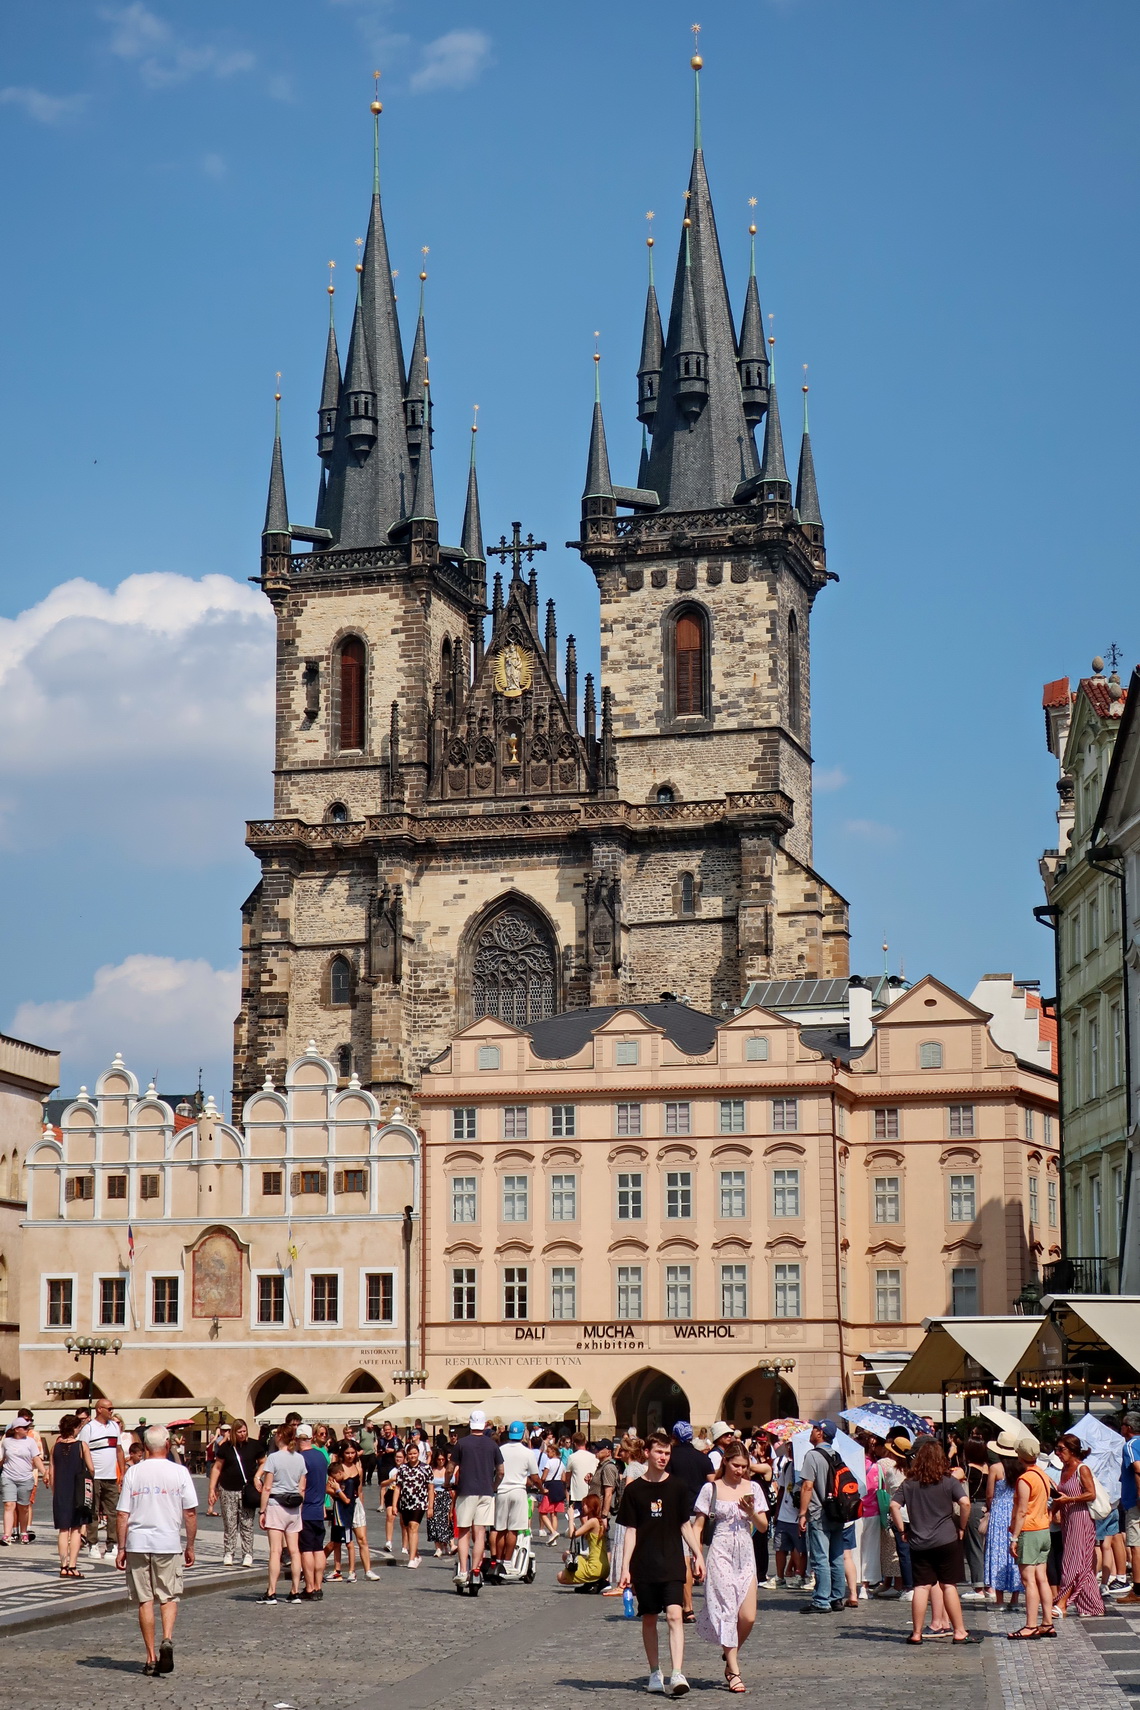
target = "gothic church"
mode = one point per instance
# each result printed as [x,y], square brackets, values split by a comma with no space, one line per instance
[458,829]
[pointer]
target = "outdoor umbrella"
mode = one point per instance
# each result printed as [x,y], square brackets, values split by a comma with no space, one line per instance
[844,1446]
[870,1420]
[898,1415]
[782,1429]
[1007,1421]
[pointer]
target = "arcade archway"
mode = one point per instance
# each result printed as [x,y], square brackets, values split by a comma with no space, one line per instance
[469,1380]
[277,1383]
[649,1400]
[754,1399]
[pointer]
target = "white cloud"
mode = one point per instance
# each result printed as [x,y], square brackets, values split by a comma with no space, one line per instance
[140,715]
[871,831]
[139,35]
[452,61]
[825,778]
[46,109]
[166,1016]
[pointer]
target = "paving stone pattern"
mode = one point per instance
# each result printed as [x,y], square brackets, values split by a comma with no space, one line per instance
[1065,1673]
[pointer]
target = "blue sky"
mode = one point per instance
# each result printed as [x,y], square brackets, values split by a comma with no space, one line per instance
[947,210]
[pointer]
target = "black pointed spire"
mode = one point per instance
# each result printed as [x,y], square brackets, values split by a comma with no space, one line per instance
[697,463]
[423,505]
[472,539]
[652,347]
[773,469]
[753,358]
[497,599]
[599,508]
[359,392]
[643,461]
[417,379]
[690,363]
[572,680]
[277,508]
[807,494]
[330,388]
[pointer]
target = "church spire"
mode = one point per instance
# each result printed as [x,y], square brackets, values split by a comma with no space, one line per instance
[359,392]
[276,508]
[423,504]
[652,344]
[702,447]
[472,540]
[807,495]
[598,505]
[753,358]
[330,385]
[371,475]
[773,470]
[417,379]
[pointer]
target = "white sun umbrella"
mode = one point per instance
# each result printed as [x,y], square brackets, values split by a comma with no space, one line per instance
[844,1446]
[1007,1421]
[868,1420]
[1104,1446]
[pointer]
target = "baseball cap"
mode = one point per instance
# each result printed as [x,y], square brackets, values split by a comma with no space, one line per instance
[477,1420]
[721,1429]
[304,1430]
[516,1430]
[828,1427]
[683,1431]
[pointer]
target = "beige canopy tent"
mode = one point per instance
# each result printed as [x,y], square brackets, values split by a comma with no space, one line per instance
[323,1409]
[1000,1346]
[453,1406]
[194,1408]
[1094,1322]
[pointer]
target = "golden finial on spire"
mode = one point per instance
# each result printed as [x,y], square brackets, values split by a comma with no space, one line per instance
[475,419]
[359,242]
[805,385]
[649,239]
[597,352]
[423,270]
[752,222]
[696,62]
[771,330]
[277,394]
[376,105]
[331,286]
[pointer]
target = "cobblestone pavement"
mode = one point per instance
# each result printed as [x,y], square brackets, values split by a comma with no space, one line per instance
[1117,1641]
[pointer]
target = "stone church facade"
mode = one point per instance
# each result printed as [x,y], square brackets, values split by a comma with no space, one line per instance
[458,831]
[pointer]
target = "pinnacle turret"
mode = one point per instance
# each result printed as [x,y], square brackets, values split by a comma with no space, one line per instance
[773,469]
[652,347]
[330,391]
[807,495]
[472,538]
[277,508]
[599,507]
[753,359]
[417,380]
[423,504]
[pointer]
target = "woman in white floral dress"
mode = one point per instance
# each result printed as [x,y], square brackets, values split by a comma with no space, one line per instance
[736,1503]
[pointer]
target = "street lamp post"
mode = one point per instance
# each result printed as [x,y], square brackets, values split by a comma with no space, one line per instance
[89,1347]
[407,1233]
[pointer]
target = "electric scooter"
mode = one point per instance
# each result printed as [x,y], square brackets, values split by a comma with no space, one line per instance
[522,1566]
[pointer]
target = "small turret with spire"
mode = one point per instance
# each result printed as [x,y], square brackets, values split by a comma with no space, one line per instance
[472,538]
[423,526]
[414,401]
[275,537]
[775,488]
[359,391]
[652,346]
[807,494]
[599,508]
[753,358]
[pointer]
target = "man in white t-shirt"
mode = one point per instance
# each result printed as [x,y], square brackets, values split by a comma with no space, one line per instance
[520,1470]
[581,1468]
[156,1498]
[102,1452]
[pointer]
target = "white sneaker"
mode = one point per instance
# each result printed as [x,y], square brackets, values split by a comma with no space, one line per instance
[678,1685]
[907,1597]
[95,1552]
[247,1561]
[387,1546]
[655,1682]
[368,1574]
[773,1584]
[403,1549]
[227,1561]
[863,1594]
[413,1563]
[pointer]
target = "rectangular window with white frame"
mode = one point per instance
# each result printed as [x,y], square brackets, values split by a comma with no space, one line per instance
[628,1119]
[1051,1196]
[515,1122]
[678,1193]
[888,1296]
[378,1298]
[563,1122]
[961,1122]
[843,1196]
[516,1199]
[270,1286]
[324,1297]
[1116,1027]
[1118,1207]
[785,1115]
[1034,1200]
[677,1117]
[732,1116]
[563,1291]
[786,1286]
[563,1199]
[734,1291]
[1094,1056]
[462,1292]
[463,1123]
[629,1291]
[111,1296]
[963,1198]
[964,1291]
[630,1196]
[1029,1122]
[887,1123]
[463,1199]
[887,1198]
[678,1291]
[516,1292]
[785,1193]
[166,1300]
[59,1303]
[732,1194]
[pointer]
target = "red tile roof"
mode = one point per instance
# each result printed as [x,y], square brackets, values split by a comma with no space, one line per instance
[1056,694]
[1096,689]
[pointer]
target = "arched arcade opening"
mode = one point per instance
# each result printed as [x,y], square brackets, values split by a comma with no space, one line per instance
[649,1400]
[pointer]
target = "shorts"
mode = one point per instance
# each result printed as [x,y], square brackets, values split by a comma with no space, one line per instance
[943,1564]
[512,1512]
[150,1576]
[313,1536]
[408,1515]
[1033,1548]
[1109,1526]
[851,1536]
[278,1519]
[10,1491]
[474,1511]
[656,1596]
[1132,1528]
[787,1540]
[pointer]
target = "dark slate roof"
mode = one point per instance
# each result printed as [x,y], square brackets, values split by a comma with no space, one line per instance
[834,1042]
[699,467]
[807,496]
[752,346]
[276,507]
[598,483]
[564,1035]
[472,540]
[773,468]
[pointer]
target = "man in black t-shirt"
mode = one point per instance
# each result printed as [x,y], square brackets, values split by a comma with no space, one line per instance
[479,1461]
[655,1511]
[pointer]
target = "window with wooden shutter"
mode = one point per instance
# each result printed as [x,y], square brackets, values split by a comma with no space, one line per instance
[79,1187]
[689,664]
[308,1181]
[352,693]
[150,1187]
[271,1182]
[116,1187]
[69,1189]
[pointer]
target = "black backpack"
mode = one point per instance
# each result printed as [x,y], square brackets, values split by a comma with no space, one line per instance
[842,1500]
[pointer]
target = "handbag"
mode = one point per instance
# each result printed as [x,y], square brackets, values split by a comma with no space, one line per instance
[287,1499]
[1102,1504]
[85,1510]
[250,1496]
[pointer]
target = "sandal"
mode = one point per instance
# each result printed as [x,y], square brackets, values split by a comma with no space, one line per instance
[968,1639]
[1025,1633]
[735,1683]
[689,1618]
[913,1639]
[1049,1632]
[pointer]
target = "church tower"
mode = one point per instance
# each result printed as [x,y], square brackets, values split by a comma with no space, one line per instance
[454,833]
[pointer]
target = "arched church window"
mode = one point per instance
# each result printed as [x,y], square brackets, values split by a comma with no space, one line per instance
[340,981]
[795,706]
[688,894]
[352,659]
[513,971]
[344,1061]
[338,813]
[445,670]
[666,793]
[689,658]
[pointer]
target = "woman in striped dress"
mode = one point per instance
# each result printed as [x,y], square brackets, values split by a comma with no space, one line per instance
[1075,1491]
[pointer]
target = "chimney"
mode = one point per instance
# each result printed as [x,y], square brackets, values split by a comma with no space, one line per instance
[859,1029]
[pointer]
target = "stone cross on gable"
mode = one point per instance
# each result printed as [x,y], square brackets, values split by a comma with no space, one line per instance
[516,549]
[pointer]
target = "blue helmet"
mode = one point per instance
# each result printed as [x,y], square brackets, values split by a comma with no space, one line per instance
[516,1431]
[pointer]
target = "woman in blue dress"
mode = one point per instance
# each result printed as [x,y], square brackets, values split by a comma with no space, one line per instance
[1001,1569]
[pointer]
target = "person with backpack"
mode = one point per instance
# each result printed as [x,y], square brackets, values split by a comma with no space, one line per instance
[829,1499]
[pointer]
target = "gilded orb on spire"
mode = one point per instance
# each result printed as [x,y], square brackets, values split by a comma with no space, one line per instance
[376,106]
[696,62]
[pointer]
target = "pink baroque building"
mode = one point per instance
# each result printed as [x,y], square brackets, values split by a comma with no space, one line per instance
[688,1216]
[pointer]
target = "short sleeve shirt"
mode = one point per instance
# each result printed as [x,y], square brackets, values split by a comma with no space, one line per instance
[656,1509]
[476,1457]
[155,1494]
[102,1442]
[931,1520]
[1129,1455]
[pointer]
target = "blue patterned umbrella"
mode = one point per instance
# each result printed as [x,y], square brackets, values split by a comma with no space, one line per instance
[910,1422]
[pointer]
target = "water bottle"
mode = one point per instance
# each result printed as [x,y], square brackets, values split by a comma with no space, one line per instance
[627,1604]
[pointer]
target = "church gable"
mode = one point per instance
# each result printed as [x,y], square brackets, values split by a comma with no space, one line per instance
[512,731]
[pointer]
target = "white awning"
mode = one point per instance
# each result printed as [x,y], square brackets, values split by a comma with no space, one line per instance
[452,1406]
[1114,1318]
[323,1409]
[1000,1346]
[49,1413]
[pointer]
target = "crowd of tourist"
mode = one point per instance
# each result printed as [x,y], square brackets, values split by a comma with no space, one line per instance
[939,1519]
